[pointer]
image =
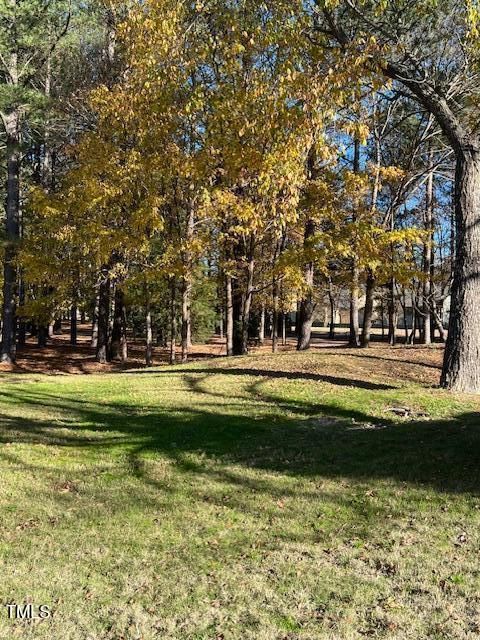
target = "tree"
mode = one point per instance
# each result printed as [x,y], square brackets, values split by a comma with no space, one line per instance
[29,32]
[429,50]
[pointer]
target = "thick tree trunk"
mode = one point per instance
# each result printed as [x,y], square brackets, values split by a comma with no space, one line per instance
[307,304]
[42,336]
[118,343]
[103,318]
[461,366]
[12,231]
[368,312]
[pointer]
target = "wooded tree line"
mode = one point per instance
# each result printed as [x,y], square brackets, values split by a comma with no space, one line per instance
[173,168]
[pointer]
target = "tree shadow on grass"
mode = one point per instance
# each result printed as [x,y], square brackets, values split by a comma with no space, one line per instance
[288,437]
[282,375]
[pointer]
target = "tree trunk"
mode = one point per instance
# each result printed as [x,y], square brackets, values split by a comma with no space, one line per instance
[428,257]
[461,366]
[275,300]
[149,335]
[229,319]
[221,324]
[307,304]
[392,314]
[57,326]
[261,330]
[187,284]
[354,337]
[118,343]
[439,324]
[73,325]
[242,291]
[12,231]
[42,336]
[331,299]
[368,312]
[186,317]
[94,340]
[103,317]
[173,321]
[22,325]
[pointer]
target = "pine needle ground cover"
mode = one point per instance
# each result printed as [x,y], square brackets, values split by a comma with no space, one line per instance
[320,495]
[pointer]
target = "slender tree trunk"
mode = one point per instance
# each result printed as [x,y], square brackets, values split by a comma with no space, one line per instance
[284,328]
[331,299]
[439,324]
[261,330]
[22,325]
[186,317]
[103,317]
[237,305]
[242,292]
[118,342]
[307,304]
[415,318]
[73,325]
[354,338]
[187,285]
[461,366]
[247,301]
[428,256]
[149,335]
[368,312]
[392,314]
[12,232]
[94,340]
[221,323]
[173,321]
[229,318]
[275,301]
[382,311]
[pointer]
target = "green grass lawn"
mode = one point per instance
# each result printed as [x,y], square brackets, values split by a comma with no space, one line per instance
[269,497]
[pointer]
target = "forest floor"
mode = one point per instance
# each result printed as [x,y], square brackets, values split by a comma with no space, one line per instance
[333,494]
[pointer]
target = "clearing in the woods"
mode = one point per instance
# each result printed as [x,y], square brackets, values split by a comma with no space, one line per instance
[331,494]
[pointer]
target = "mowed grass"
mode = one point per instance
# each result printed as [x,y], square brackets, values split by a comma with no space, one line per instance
[266,497]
